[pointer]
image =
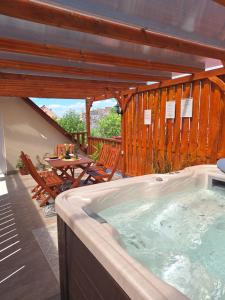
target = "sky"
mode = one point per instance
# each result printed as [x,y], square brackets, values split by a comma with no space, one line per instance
[60,106]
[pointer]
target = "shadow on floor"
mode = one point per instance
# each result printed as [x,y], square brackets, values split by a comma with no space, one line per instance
[24,271]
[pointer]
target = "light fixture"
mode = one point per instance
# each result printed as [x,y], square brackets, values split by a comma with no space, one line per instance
[118,109]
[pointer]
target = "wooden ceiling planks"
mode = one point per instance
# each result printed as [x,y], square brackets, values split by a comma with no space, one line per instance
[24,47]
[49,14]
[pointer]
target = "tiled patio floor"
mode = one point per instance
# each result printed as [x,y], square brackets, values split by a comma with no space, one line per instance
[24,270]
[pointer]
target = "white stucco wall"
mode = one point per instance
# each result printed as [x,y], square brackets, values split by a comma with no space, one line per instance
[25,129]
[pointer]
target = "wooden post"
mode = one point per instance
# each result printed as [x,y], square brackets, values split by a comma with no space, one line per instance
[88,120]
[120,102]
[123,101]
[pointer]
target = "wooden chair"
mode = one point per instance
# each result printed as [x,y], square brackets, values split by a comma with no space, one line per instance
[103,155]
[102,158]
[48,183]
[106,171]
[36,190]
[61,149]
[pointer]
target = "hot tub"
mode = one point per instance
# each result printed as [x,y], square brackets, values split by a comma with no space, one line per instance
[100,261]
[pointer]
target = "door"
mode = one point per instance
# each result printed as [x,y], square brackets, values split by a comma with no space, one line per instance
[3,165]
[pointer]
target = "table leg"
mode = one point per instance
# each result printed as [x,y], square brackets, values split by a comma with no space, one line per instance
[77,181]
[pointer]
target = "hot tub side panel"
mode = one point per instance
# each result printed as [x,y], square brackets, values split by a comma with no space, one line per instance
[82,277]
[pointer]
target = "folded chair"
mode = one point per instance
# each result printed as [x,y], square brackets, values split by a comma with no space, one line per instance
[105,172]
[48,183]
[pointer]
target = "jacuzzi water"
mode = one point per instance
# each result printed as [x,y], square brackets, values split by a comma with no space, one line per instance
[179,237]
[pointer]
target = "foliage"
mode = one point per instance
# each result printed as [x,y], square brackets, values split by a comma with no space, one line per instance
[20,164]
[94,156]
[108,126]
[71,122]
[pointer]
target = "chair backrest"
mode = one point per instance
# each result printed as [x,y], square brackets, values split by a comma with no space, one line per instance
[24,160]
[33,172]
[113,160]
[61,149]
[31,168]
[103,155]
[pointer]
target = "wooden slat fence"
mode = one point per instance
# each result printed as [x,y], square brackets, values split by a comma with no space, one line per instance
[172,144]
[93,141]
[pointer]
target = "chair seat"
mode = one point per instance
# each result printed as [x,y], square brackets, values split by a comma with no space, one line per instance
[105,168]
[97,173]
[48,183]
[51,179]
[94,168]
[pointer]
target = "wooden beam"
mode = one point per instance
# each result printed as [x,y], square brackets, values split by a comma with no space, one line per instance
[49,68]
[24,47]
[49,14]
[88,117]
[221,2]
[186,79]
[43,86]
[219,82]
[107,95]
[167,83]
[78,83]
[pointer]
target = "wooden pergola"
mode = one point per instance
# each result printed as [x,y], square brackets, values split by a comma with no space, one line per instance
[96,50]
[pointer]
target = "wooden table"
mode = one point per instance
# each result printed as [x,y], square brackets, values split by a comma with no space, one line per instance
[69,165]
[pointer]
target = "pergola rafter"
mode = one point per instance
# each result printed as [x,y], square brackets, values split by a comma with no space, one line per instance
[65,70]
[44,86]
[52,51]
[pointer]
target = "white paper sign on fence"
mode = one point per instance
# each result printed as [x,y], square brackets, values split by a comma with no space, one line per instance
[148,117]
[170,109]
[186,108]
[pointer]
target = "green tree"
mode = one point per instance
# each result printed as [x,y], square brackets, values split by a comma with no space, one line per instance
[72,122]
[109,125]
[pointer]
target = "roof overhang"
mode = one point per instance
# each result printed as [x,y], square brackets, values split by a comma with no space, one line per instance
[115,46]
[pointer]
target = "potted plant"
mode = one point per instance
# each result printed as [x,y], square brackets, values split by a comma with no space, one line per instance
[21,167]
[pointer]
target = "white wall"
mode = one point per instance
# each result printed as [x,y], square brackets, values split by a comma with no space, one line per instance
[3,165]
[26,130]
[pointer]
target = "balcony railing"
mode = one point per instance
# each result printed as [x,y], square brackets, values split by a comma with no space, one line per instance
[80,139]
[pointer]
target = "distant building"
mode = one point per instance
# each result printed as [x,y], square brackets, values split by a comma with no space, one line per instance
[96,115]
[49,112]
